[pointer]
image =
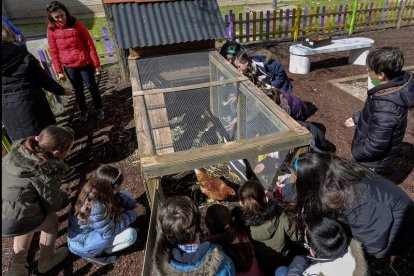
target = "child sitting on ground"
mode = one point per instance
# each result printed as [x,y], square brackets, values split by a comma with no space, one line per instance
[178,249]
[269,227]
[381,124]
[331,251]
[234,240]
[99,224]
[265,69]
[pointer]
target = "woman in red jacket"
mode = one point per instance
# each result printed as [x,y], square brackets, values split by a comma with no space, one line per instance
[74,52]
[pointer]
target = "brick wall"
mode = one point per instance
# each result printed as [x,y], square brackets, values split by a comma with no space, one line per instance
[22,9]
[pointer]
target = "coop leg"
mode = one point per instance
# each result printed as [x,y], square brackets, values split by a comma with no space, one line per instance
[299,64]
[358,56]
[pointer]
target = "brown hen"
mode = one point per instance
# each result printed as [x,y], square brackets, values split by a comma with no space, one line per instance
[214,188]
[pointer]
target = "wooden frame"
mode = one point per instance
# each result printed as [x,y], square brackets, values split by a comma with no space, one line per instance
[167,162]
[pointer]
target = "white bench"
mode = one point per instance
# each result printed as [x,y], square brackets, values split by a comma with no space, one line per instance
[359,48]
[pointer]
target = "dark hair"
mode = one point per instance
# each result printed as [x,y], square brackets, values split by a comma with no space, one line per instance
[230,48]
[100,188]
[218,220]
[54,6]
[243,58]
[326,182]
[235,244]
[52,138]
[387,60]
[252,196]
[180,220]
[326,236]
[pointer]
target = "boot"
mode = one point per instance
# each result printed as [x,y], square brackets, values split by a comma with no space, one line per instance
[18,269]
[47,263]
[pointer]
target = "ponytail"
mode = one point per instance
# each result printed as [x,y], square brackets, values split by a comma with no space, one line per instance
[52,138]
[33,146]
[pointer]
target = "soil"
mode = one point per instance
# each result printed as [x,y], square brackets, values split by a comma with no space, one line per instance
[113,141]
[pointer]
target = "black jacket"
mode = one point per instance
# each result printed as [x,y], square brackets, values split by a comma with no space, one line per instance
[381,124]
[25,109]
[381,217]
[30,191]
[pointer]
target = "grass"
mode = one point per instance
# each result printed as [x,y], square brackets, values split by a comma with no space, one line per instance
[236,9]
[93,24]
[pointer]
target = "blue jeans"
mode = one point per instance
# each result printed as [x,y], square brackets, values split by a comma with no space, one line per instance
[77,76]
[281,271]
[123,240]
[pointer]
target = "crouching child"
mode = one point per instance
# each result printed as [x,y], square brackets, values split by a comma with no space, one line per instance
[178,249]
[331,251]
[100,222]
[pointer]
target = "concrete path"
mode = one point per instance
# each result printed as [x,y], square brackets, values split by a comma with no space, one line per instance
[34,44]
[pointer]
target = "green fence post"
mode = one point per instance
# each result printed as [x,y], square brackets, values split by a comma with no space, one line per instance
[353,16]
[4,140]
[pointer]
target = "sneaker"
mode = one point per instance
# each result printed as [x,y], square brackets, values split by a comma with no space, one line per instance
[100,114]
[105,260]
[18,269]
[59,255]
[84,116]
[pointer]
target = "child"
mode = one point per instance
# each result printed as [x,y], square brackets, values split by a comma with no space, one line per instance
[332,251]
[31,178]
[381,124]
[234,240]
[268,225]
[265,70]
[379,213]
[99,224]
[230,49]
[178,249]
[73,51]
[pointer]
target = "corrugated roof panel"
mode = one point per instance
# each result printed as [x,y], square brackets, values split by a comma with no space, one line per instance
[162,23]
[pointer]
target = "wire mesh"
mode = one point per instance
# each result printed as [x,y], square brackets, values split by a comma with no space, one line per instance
[203,116]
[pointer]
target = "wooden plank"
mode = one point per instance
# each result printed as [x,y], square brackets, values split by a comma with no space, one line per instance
[162,138]
[240,25]
[267,30]
[188,87]
[274,23]
[247,27]
[210,155]
[261,25]
[280,23]
[152,234]
[223,65]
[140,114]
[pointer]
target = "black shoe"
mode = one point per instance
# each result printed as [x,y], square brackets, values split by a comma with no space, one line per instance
[104,260]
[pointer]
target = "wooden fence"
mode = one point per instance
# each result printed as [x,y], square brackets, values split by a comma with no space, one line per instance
[300,22]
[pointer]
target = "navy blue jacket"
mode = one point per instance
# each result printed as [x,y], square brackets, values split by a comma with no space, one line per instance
[274,72]
[381,124]
[381,217]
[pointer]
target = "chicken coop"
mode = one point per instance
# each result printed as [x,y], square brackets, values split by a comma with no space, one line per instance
[192,109]
[195,110]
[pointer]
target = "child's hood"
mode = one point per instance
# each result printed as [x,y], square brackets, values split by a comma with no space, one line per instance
[22,163]
[399,90]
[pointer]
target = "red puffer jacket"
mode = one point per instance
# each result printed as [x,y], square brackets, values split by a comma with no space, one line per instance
[72,47]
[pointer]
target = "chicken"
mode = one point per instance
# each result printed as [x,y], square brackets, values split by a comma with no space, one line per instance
[214,188]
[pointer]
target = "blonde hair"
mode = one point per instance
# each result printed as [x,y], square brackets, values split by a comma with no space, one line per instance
[7,34]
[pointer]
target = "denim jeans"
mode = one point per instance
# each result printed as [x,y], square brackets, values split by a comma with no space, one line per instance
[281,271]
[123,240]
[77,76]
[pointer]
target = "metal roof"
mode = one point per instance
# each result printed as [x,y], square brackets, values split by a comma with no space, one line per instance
[162,23]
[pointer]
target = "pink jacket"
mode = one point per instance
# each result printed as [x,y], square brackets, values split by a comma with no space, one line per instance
[72,47]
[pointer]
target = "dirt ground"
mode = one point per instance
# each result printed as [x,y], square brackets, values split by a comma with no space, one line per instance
[113,141]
